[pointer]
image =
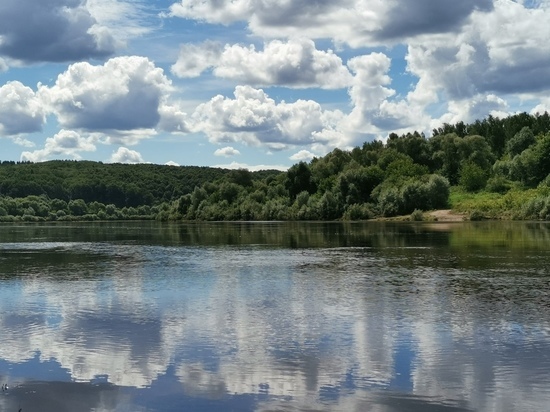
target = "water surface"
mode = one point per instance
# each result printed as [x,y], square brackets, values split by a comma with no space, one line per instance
[275,317]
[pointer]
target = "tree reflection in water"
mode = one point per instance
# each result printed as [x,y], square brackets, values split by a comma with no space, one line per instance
[275,316]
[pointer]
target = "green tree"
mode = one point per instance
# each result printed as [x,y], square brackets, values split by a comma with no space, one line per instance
[329,206]
[472,176]
[445,158]
[299,179]
[532,166]
[229,191]
[78,207]
[413,145]
[521,141]
[356,185]
[241,177]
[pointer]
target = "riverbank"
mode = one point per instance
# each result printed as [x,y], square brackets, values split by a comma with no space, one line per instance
[446,215]
[442,215]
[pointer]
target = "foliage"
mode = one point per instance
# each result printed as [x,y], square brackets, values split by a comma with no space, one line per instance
[417,215]
[426,193]
[476,215]
[119,184]
[40,209]
[498,184]
[532,165]
[492,167]
[299,179]
[472,177]
[494,205]
[521,141]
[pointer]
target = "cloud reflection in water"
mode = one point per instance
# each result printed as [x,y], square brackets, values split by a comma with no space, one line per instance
[255,328]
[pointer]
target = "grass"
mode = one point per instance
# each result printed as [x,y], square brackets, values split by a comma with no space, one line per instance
[493,205]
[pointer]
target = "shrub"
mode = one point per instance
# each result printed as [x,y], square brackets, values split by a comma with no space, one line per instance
[476,215]
[417,215]
[358,212]
[472,177]
[498,184]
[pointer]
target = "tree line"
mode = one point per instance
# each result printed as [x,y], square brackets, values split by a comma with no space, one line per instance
[119,184]
[406,173]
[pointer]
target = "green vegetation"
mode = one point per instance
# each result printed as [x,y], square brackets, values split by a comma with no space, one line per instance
[492,168]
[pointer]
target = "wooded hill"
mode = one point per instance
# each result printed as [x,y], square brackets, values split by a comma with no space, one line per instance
[504,160]
[119,184]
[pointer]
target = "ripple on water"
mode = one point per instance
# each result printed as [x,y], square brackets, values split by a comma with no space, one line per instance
[393,327]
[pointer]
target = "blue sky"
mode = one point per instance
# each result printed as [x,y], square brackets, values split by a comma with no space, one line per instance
[257,83]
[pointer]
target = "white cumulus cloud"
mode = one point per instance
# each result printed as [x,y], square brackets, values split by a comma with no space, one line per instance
[302,155]
[196,58]
[123,94]
[294,63]
[66,144]
[173,119]
[125,155]
[21,111]
[227,151]
[252,168]
[256,119]
[503,53]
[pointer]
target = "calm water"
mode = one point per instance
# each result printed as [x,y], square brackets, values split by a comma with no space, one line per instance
[275,317]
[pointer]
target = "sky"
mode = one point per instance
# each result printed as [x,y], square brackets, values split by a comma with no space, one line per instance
[257,84]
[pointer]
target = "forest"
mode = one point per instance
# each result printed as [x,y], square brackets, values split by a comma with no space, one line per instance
[491,168]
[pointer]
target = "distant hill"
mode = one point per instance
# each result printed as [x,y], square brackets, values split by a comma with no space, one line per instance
[128,185]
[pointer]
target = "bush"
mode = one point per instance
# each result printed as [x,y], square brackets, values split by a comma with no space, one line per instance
[358,212]
[417,215]
[390,202]
[532,208]
[426,193]
[472,177]
[438,192]
[498,184]
[476,215]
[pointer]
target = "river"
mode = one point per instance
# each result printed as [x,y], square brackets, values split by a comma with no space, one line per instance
[372,316]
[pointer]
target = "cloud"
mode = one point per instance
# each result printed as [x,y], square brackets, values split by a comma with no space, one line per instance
[66,144]
[253,118]
[227,151]
[358,23]
[468,57]
[171,163]
[295,63]
[124,138]
[123,94]
[196,58]
[543,106]
[302,155]
[376,110]
[497,53]
[254,168]
[212,11]
[477,107]
[20,110]
[51,30]
[124,155]
[369,90]
[123,19]
[173,119]
[405,19]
